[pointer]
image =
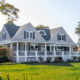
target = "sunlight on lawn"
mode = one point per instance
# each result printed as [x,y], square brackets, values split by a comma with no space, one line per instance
[44,71]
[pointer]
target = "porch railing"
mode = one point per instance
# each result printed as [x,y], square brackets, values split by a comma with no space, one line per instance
[74,53]
[41,53]
[58,53]
[21,53]
[49,52]
[66,53]
[31,53]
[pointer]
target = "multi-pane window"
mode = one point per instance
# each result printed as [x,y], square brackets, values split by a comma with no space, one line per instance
[4,35]
[42,32]
[29,35]
[61,37]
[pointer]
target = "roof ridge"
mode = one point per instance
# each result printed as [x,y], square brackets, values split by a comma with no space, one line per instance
[55,28]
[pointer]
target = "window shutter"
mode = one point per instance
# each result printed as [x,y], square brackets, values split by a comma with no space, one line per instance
[33,35]
[24,34]
[64,37]
[58,37]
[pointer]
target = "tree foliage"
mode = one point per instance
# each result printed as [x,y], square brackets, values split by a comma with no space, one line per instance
[77,30]
[42,27]
[9,10]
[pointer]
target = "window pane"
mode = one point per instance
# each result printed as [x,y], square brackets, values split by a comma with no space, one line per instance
[48,48]
[31,35]
[27,34]
[62,37]
[41,32]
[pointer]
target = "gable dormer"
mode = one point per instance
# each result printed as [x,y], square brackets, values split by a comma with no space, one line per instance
[60,35]
[29,33]
[4,34]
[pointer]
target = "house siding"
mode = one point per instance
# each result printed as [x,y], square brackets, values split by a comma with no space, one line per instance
[61,31]
[20,36]
[7,35]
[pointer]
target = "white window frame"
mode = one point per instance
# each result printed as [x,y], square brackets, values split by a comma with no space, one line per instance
[61,37]
[29,34]
[34,46]
[43,31]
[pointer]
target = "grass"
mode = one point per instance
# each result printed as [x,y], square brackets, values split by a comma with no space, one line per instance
[42,71]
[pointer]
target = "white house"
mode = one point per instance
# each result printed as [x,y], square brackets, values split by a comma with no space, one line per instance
[29,42]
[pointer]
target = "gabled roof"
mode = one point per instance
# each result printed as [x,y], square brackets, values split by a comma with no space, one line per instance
[54,31]
[12,29]
[21,27]
[47,37]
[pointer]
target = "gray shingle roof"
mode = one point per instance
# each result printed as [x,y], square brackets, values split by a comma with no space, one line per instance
[12,29]
[47,36]
[21,27]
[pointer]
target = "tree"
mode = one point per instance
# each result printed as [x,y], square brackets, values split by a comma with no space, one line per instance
[9,10]
[42,27]
[77,31]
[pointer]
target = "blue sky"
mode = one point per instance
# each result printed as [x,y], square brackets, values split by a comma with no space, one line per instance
[52,13]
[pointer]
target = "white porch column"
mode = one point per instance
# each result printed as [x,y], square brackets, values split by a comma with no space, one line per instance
[11,45]
[63,55]
[25,53]
[70,51]
[45,52]
[54,51]
[17,55]
[36,56]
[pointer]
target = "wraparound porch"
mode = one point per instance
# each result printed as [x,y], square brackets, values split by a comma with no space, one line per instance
[25,51]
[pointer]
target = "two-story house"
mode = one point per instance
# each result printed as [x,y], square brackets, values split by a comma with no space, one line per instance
[29,42]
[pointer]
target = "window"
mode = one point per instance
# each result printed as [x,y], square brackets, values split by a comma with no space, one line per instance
[4,35]
[43,48]
[42,32]
[29,34]
[61,37]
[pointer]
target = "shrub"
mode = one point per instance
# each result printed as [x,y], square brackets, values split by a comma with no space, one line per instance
[0,78]
[7,52]
[4,59]
[74,58]
[3,51]
[78,57]
[58,59]
[48,59]
[41,59]
[68,60]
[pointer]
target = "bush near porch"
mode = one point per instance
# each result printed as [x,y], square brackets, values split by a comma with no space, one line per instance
[5,55]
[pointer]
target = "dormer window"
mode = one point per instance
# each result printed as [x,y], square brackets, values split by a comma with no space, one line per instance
[29,34]
[42,32]
[4,35]
[61,37]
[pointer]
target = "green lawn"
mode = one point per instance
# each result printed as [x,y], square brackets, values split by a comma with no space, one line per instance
[44,71]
